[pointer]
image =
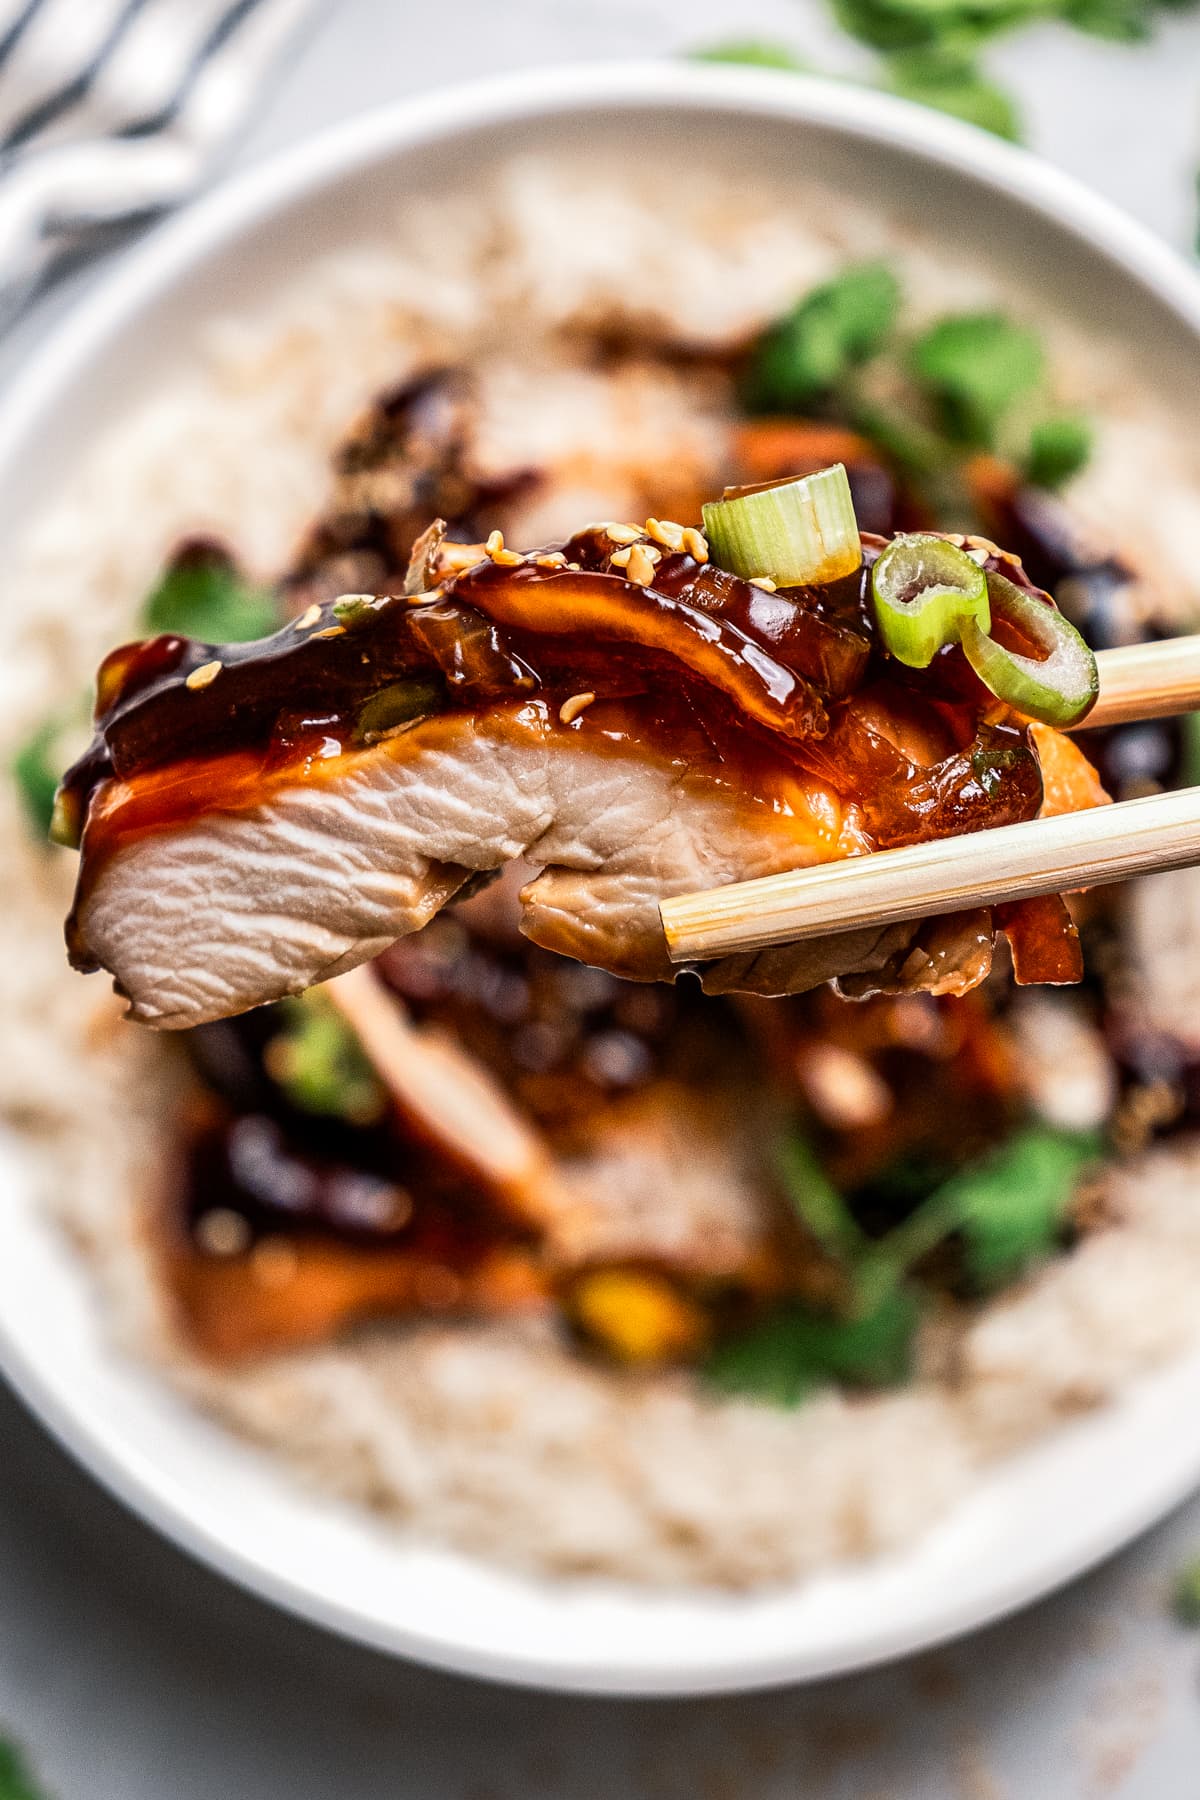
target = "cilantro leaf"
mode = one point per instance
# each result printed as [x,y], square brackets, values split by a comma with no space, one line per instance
[1123,21]
[202,595]
[16,1783]
[954,26]
[833,329]
[795,1350]
[973,366]
[1058,448]
[753,52]
[1011,1206]
[954,85]
[1008,1208]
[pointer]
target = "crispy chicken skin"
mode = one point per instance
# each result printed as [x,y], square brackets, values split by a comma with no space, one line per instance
[629,720]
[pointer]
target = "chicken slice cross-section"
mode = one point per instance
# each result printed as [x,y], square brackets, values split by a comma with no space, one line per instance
[631,721]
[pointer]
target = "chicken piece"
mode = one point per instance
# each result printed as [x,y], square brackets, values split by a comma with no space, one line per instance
[289,1291]
[451,1104]
[631,721]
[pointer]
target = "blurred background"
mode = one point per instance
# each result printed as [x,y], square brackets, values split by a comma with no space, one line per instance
[124,1670]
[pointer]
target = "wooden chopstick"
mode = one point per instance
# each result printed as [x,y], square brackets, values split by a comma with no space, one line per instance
[1146,681]
[1014,862]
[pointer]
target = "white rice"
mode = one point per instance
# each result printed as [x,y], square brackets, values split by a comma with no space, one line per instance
[500,1440]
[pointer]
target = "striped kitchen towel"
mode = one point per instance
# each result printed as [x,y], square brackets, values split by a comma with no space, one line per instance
[112,110]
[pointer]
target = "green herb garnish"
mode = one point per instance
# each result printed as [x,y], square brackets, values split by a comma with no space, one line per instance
[953,85]
[809,351]
[1012,1205]
[1007,1209]
[973,366]
[16,1782]
[817,1203]
[958,27]
[1058,448]
[1185,1599]
[797,1350]
[753,53]
[36,769]
[319,1064]
[202,595]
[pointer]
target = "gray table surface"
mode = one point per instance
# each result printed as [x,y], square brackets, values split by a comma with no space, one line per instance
[132,1674]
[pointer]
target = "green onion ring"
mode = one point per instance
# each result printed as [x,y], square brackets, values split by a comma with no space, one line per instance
[924,591]
[1060,689]
[800,532]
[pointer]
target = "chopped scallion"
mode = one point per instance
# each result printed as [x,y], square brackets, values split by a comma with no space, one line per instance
[924,590]
[802,531]
[398,704]
[1059,688]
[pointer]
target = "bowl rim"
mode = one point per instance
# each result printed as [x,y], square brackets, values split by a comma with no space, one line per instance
[154,266]
[144,271]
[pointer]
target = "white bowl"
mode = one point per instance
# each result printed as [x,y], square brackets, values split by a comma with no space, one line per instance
[1039,1519]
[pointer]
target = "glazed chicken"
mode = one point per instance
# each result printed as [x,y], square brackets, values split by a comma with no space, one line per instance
[631,720]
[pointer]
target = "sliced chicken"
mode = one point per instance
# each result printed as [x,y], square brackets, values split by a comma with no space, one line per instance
[629,720]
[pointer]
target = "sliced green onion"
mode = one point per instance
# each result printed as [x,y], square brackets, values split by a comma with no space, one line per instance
[803,531]
[402,703]
[1059,689]
[925,590]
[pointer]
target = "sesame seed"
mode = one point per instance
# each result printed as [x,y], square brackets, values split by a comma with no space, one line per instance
[666,533]
[508,559]
[495,542]
[205,675]
[620,558]
[622,534]
[331,631]
[455,559]
[764,582]
[695,543]
[641,565]
[553,559]
[308,619]
[570,709]
[574,566]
